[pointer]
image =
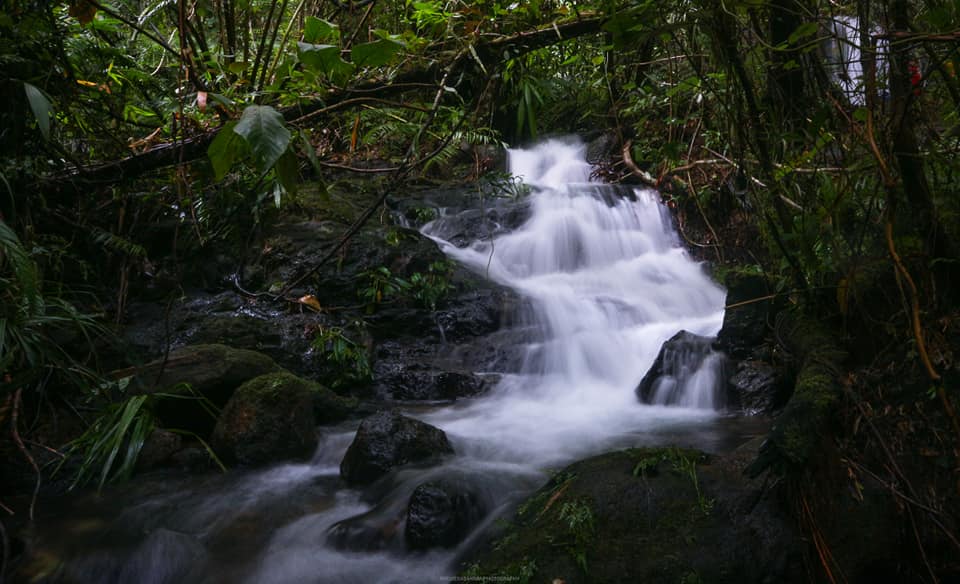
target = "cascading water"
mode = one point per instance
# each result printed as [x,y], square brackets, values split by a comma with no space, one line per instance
[604,283]
[607,283]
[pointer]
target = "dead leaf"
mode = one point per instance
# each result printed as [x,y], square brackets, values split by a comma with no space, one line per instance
[311,301]
[202,100]
[83,11]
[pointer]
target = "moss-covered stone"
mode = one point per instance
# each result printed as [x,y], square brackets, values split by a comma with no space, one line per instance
[273,417]
[642,515]
[795,437]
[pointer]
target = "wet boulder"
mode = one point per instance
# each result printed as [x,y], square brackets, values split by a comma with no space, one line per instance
[441,513]
[405,371]
[212,372]
[648,515]
[271,418]
[757,387]
[387,440]
[678,364]
[745,323]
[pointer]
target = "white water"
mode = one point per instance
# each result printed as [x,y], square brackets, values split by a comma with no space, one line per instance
[607,283]
[842,49]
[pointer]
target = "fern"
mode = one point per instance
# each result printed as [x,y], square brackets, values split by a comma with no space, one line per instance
[116,243]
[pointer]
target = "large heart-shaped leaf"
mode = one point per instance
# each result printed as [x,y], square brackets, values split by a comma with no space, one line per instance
[325,59]
[266,134]
[225,149]
[41,108]
[316,30]
[375,54]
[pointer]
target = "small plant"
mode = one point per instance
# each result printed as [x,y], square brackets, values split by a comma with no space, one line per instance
[687,465]
[111,445]
[379,285]
[429,288]
[348,357]
[579,519]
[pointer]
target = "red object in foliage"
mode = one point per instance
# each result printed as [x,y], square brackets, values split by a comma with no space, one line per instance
[915,77]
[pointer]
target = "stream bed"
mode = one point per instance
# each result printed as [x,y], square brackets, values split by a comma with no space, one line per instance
[604,282]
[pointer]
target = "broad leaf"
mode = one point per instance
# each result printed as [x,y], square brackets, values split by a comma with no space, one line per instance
[41,108]
[266,134]
[325,59]
[375,54]
[316,30]
[288,171]
[225,149]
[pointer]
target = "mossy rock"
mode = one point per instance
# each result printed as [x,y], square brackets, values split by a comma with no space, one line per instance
[641,515]
[273,417]
[212,372]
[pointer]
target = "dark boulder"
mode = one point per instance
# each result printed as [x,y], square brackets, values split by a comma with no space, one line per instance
[387,440]
[745,324]
[758,387]
[271,418]
[441,514]
[414,371]
[648,515]
[212,372]
[680,359]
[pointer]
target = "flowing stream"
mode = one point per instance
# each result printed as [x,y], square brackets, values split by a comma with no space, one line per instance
[605,283]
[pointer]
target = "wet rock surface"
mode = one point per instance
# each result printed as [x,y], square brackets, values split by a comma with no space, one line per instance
[678,361]
[648,515]
[387,440]
[758,387]
[441,513]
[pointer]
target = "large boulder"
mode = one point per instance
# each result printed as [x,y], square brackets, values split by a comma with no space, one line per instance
[684,360]
[387,440]
[441,513]
[271,418]
[658,515]
[212,372]
[745,323]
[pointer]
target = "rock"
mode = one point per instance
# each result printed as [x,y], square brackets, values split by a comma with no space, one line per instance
[757,387]
[210,371]
[159,449]
[387,440]
[368,532]
[406,371]
[682,360]
[441,514]
[648,515]
[745,325]
[269,418]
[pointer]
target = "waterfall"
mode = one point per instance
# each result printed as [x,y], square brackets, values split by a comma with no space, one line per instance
[606,283]
[843,56]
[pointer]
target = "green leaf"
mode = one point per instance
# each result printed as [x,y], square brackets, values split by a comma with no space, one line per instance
[225,149]
[375,54]
[804,30]
[325,59]
[316,30]
[265,132]
[41,108]
[288,171]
